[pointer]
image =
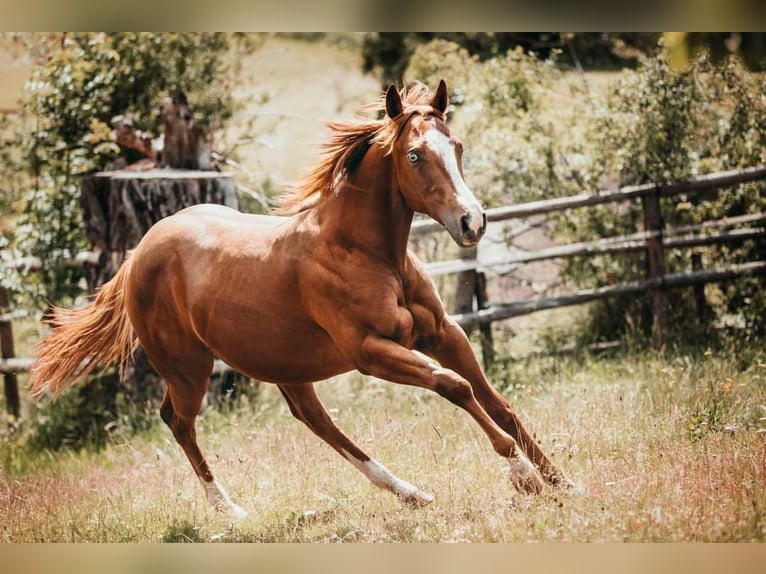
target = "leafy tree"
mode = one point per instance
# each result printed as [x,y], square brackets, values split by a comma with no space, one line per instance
[750,47]
[80,82]
[389,53]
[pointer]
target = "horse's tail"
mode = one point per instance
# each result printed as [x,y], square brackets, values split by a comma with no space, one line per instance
[82,340]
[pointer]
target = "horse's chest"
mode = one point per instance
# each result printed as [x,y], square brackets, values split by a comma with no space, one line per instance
[404,329]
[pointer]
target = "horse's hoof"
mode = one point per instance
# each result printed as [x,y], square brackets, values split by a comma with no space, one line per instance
[238,513]
[558,479]
[219,500]
[417,499]
[524,475]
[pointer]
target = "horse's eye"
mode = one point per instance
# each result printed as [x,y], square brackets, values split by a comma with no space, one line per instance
[413,157]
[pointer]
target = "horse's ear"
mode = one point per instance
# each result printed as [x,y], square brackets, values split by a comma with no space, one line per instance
[440,101]
[394,105]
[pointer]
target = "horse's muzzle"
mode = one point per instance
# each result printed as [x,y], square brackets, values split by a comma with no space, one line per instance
[472,227]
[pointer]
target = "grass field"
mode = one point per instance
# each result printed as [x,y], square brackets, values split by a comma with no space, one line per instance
[661,449]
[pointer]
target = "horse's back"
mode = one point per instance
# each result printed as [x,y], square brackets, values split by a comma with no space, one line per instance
[209,246]
[214,211]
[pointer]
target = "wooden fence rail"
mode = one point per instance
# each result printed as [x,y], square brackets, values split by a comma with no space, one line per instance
[523,210]
[654,241]
[499,311]
[673,239]
[10,384]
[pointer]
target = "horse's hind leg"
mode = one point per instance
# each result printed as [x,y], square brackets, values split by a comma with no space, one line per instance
[187,382]
[305,406]
[184,431]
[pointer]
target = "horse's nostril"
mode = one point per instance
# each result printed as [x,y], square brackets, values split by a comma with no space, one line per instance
[483,227]
[465,227]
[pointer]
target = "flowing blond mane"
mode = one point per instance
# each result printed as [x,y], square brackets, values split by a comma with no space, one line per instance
[348,143]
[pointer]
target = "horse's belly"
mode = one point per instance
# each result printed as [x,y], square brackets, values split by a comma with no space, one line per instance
[280,353]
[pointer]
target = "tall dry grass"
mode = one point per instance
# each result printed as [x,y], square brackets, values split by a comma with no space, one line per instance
[661,448]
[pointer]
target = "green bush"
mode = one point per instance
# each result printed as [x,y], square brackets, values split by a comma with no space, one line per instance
[658,126]
[509,138]
[533,132]
[389,54]
[80,82]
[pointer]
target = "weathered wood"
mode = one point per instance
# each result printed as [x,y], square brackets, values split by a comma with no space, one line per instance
[522,210]
[610,245]
[13,365]
[22,364]
[502,311]
[186,144]
[466,283]
[718,223]
[714,181]
[655,264]
[482,302]
[119,207]
[10,383]
[703,309]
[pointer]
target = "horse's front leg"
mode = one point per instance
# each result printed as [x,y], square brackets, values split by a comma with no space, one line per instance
[452,349]
[388,360]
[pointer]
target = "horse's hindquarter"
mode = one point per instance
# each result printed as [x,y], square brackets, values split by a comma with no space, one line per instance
[240,293]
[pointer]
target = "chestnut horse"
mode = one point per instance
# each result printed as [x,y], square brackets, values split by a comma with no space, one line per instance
[294,300]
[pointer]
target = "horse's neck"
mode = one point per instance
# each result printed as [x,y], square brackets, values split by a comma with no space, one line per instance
[370,213]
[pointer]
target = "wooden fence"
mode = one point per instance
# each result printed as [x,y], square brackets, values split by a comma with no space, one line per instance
[474,310]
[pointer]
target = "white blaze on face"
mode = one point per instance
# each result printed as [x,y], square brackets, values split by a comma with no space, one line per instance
[446,149]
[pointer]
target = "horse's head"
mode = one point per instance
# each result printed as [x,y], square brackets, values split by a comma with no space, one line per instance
[429,168]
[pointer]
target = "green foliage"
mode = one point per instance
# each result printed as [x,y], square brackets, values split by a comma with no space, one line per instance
[181,532]
[89,418]
[389,53]
[508,139]
[750,47]
[657,125]
[532,133]
[719,392]
[81,81]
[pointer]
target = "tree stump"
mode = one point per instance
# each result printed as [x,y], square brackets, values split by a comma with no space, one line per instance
[118,208]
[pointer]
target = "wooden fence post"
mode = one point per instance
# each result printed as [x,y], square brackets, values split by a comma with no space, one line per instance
[703,309]
[12,401]
[466,283]
[472,286]
[487,344]
[655,263]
